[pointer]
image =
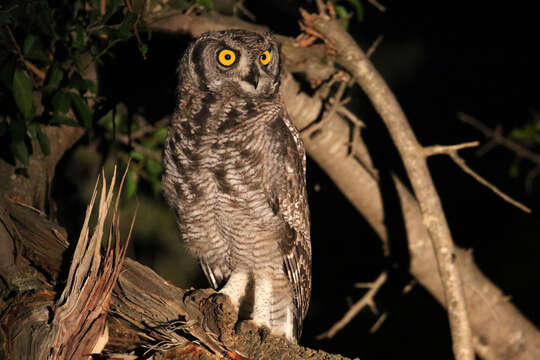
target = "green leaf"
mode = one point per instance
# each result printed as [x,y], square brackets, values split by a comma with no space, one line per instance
[208,4]
[22,92]
[33,48]
[81,84]
[132,180]
[55,77]
[44,143]
[143,48]
[59,119]
[61,101]
[114,5]
[136,155]
[84,115]
[30,42]
[91,86]
[153,167]
[359,9]
[160,134]
[341,12]
[20,151]
[80,40]
[125,30]
[107,120]
[31,132]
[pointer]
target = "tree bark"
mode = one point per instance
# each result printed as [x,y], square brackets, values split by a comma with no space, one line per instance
[145,310]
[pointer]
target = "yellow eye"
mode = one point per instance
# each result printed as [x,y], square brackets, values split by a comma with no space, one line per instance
[226,57]
[265,57]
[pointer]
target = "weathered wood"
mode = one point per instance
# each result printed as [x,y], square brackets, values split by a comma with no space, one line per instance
[146,313]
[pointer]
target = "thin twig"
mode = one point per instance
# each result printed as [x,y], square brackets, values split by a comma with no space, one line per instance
[240,8]
[366,300]
[351,116]
[37,71]
[378,5]
[497,137]
[374,46]
[378,323]
[461,163]
[529,179]
[128,5]
[149,128]
[335,103]
[447,149]
[321,6]
[31,67]
[102,7]
[124,139]
[408,288]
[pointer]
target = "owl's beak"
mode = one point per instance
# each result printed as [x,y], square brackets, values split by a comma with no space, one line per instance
[253,77]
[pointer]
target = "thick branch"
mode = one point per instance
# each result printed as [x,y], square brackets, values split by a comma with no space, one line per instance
[354,60]
[146,310]
[514,336]
[33,188]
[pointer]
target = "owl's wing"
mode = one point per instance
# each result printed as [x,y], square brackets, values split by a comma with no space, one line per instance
[287,196]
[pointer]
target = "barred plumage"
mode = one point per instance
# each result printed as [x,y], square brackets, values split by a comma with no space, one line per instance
[235,175]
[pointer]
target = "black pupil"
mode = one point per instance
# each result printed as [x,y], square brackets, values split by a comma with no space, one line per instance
[227,56]
[263,57]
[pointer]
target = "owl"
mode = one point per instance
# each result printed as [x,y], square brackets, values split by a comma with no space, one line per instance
[234,173]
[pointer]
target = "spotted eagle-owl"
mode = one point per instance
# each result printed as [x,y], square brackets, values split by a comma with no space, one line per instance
[235,175]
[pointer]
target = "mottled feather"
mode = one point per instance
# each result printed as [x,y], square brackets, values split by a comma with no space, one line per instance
[234,172]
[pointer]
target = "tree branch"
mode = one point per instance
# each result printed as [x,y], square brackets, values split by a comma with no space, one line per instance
[463,165]
[448,149]
[498,138]
[145,310]
[512,337]
[366,300]
[451,150]
[354,60]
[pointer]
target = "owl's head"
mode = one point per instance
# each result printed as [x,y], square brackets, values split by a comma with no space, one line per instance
[234,62]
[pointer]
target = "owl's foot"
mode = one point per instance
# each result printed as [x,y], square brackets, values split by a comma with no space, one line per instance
[252,326]
[218,314]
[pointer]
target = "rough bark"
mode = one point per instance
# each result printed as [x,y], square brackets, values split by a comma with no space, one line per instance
[146,311]
[33,187]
